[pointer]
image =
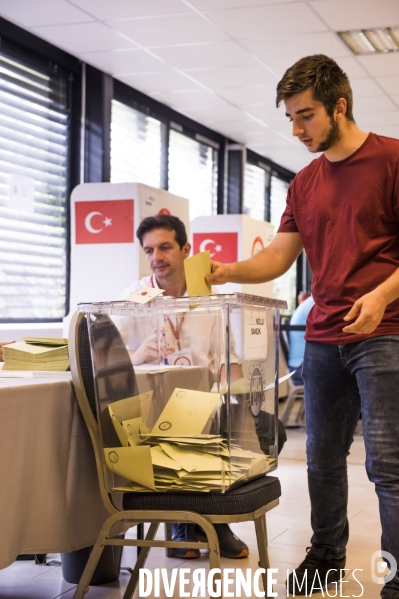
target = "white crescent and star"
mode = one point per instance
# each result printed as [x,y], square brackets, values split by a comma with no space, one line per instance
[203,246]
[107,222]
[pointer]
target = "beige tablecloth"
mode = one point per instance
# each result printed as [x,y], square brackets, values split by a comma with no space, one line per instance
[49,496]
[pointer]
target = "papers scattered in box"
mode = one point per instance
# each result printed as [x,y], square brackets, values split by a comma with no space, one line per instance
[179,452]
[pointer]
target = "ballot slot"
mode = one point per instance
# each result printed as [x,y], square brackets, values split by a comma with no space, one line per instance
[203,424]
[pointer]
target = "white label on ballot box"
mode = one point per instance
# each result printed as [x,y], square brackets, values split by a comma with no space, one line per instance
[255,333]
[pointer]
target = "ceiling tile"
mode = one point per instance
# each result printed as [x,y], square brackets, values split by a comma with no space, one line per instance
[381,65]
[238,129]
[169,30]
[158,82]
[42,12]
[82,38]
[365,87]
[263,21]
[291,48]
[117,62]
[215,4]
[389,84]
[184,100]
[215,115]
[372,104]
[342,15]
[220,54]
[229,76]
[371,120]
[123,9]
[248,94]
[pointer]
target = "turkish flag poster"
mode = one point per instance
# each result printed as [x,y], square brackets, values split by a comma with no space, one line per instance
[222,246]
[104,221]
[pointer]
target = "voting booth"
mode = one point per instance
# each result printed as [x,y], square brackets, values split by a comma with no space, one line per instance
[233,238]
[106,256]
[185,390]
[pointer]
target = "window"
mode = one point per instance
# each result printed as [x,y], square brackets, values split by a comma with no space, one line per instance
[34,129]
[284,286]
[135,146]
[256,185]
[193,173]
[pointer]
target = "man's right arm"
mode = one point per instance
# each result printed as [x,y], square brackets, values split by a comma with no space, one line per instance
[266,265]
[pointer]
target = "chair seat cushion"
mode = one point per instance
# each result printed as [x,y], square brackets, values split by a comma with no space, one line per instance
[241,500]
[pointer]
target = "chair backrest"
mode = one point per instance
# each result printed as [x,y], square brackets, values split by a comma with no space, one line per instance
[81,359]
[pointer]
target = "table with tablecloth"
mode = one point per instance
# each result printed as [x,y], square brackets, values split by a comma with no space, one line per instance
[49,496]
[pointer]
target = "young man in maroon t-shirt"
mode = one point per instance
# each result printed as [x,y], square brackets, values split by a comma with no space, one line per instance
[344,210]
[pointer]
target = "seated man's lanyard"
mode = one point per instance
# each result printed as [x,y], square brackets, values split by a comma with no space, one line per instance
[175,331]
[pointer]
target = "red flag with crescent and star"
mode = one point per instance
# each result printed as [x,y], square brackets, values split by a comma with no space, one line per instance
[222,246]
[104,221]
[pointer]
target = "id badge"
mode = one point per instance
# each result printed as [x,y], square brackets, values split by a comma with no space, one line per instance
[181,358]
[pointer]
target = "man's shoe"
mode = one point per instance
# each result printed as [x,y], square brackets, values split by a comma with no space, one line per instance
[229,544]
[184,532]
[389,593]
[315,572]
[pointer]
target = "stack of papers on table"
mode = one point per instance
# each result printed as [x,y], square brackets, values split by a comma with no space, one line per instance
[43,354]
[176,454]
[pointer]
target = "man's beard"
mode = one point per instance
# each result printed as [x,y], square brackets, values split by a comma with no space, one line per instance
[333,136]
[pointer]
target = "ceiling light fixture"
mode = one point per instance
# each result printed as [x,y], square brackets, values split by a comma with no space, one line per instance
[372,41]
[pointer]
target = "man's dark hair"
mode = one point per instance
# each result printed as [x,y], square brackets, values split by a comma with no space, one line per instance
[326,78]
[163,221]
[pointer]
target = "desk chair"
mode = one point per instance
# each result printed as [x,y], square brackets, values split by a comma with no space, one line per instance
[296,392]
[248,502]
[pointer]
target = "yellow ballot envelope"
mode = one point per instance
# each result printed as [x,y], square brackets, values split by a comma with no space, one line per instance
[196,268]
[133,463]
[186,413]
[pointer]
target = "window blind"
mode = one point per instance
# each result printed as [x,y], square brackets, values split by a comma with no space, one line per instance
[193,173]
[135,146]
[34,126]
[284,286]
[256,180]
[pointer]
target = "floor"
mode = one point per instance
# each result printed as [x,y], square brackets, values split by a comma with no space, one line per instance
[288,530]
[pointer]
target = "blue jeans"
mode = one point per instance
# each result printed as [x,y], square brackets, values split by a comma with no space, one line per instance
[340,381]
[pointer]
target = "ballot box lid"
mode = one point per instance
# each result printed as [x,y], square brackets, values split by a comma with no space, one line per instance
[162,303]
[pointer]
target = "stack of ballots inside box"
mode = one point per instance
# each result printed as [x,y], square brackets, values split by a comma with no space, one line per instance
[184,450]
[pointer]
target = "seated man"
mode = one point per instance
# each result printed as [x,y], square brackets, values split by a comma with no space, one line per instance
[165,245]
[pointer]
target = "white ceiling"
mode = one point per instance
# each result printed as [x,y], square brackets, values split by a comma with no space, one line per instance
[218,61]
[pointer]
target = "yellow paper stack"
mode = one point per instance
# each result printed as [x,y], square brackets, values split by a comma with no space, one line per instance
[178,453]
[37,353]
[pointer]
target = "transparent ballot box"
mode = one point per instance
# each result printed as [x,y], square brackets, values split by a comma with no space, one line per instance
[185,390]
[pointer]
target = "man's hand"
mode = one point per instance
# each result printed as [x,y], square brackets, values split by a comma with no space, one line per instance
[2,344]
[368,311]
[219,273]
[147,352]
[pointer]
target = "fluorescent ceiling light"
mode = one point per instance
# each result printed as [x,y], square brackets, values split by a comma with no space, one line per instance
[372,41]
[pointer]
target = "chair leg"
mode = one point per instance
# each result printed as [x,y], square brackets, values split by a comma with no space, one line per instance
[83,586]
[214,554]
[261,537]
[287,408]
[168,537]
[142,558]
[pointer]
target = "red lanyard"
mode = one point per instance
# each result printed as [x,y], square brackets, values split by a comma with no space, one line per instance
[176,332]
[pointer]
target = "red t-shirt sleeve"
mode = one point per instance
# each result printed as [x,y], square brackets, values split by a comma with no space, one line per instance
[288,224]
[396,192]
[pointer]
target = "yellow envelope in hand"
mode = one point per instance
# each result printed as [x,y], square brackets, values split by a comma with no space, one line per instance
[196,268]
[186,413]
[133,463]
